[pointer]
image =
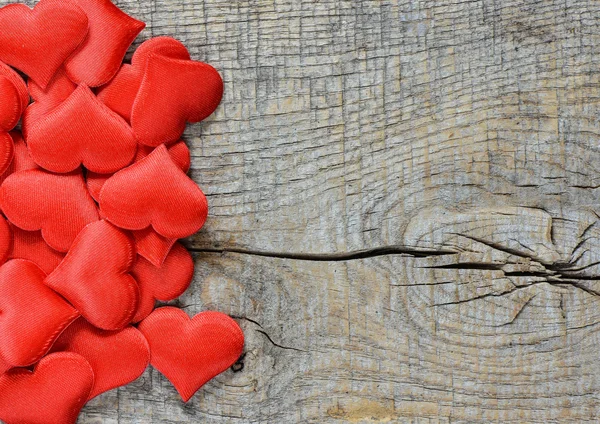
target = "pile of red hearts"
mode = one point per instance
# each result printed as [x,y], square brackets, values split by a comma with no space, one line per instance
[94,196]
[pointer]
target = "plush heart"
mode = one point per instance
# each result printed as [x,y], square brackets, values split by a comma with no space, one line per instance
[179,152]
[190,352]
[58,205]
[117,357]
[8,72]
[120,93]
[173,92]
[21,159]
[95,137]
[154,192]
[152,246]
[165,283]
[38,41]
[57,91]
[31,315]
[94,276]
[30,245]
[11,107]
[7,151]
[6,240]
[53,393]
[111,32]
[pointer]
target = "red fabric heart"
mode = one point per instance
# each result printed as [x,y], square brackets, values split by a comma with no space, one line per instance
[94,276]
[30,245]
[172,93]
[57,91]
[179,152]
[7,151]
[38,41]
[117,357]
[6,240]
[154,192]
[165,283]
[53,393]
[21,159]
[58,205]
[96,137]
[190,352]
[11,106]
[152,246]
[4,366]
[31,315]
[111,32]
[18,82]
[120,93]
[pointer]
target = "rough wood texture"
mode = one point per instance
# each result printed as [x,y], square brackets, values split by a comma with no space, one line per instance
[419,179]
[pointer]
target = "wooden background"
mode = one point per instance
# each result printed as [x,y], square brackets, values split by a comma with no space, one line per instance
[404,207]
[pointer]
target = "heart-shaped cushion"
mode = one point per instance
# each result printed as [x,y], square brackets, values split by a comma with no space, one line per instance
[31,245]
[38,41]
[117,357]
[7,151]
[21,159]
[173,92]
[165,283]
[190,352]
[154,192]
[58,205]
[94,276]
[11,107]
[120,93]
[8,72]
[31,315]
[6,240]
[152,246]
[111,32]
[96,137]
[53,393]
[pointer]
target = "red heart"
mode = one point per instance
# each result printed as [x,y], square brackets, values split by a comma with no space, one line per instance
[154,192]
[152,246]
[94,276]
[173,92]
[190,352]
[7,151]
[59,205]
[179,152]
[30,245]
[166,283]
[108,144]
[18,82]
[6,240]
[53,393]
[4,366]
[21,160]
[38,41]
[57,91]
[31,315]
[111,32]
[120,93]
[11,107]
[117,357]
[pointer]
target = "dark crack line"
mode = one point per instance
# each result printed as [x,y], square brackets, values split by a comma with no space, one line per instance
[497,246]
[278,345]
[333,257]
[514,318]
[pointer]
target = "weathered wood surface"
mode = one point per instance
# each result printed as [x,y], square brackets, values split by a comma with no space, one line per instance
[455,144]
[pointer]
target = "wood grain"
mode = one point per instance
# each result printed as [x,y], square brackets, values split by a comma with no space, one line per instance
[404,211]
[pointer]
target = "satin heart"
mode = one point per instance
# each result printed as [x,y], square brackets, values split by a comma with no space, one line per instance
[21,159]
[6,240]
[53,393]
[7,151]
[111,32]
[8,72]
[58,205]
[94,276]
[179,152]
[152,246]
[120,93]
[31,245]
[190,352]
[117,357]
[95,137]
[165,283]
[31,315]
[57,91]
[4,366]
[172,93]
[154,192]
[38,41]
[11,107]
